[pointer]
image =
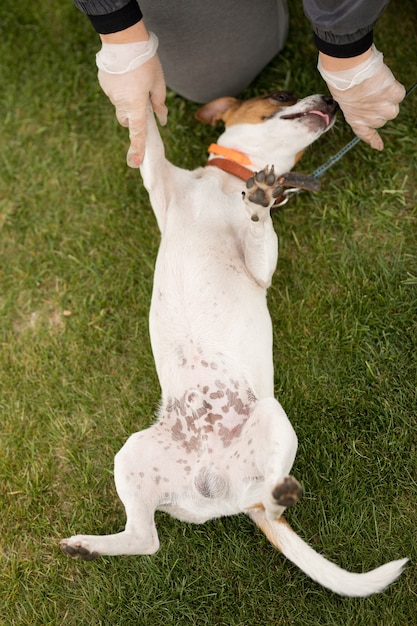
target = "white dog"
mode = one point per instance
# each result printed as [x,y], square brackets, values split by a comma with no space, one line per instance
[222,444]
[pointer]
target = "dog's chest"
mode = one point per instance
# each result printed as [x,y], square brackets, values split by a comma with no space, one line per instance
[204,302]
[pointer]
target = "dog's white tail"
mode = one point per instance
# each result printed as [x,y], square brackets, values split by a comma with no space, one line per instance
[281,535]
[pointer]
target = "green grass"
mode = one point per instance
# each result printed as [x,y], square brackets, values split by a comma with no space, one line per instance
[78,242]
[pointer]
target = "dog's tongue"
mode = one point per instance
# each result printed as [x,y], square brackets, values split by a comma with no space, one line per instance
[321,114]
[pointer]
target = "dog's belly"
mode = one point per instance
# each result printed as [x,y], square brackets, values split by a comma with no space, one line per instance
[205,304]
[209,456]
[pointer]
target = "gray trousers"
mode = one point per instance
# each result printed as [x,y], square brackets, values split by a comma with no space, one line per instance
[214,48]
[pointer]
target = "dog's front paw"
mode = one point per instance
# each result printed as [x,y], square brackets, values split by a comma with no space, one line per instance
[263,189]
[76,547]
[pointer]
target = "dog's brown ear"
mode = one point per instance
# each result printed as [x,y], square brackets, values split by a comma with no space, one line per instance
[214,111]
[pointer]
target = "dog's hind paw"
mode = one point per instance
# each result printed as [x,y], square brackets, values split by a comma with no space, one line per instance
[263,189]
[76,549]
[288,492]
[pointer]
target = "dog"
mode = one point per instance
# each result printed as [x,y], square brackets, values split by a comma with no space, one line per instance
[222,444]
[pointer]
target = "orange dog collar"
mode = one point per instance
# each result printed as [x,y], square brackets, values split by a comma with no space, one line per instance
[229,153]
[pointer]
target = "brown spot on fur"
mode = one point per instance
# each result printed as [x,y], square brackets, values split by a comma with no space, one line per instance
[176,431]
[189,419]
[191,397]
[257,514]
[236,402]
[212,418]
[258,505]
[192,445]
[227,435]
[298,156]
[254,111]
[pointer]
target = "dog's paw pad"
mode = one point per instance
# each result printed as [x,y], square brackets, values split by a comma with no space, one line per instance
[263,187]
[258,196]
[77,550]
[288,492]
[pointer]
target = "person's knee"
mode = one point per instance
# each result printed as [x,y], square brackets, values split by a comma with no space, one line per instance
[219,53]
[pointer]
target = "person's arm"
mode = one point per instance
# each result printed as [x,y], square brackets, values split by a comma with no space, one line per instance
[130,73]
[343,28]
[353,69]
[110,17]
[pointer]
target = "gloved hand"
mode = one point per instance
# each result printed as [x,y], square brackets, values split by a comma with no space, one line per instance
[368,95]
[130,74]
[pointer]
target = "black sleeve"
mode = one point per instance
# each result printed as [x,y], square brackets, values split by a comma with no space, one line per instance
[110,17]
[344,28]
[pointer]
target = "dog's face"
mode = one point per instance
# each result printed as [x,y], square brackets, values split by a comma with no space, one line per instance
[271,129]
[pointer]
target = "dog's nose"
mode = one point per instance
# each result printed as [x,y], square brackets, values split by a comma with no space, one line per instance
[330,103]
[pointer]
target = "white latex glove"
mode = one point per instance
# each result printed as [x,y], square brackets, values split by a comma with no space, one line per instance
[368,95]
[130,74]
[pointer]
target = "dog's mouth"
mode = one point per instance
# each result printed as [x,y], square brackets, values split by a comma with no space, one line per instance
[327,116]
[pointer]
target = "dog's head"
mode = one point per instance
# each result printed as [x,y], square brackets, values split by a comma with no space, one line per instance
[271,129]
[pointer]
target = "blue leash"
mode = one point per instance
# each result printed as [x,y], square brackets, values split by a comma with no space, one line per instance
[335,158]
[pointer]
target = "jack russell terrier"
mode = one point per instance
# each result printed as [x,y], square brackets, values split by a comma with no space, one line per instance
[222,443]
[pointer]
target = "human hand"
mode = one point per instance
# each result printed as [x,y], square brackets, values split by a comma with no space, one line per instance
[368,94]
[130,74]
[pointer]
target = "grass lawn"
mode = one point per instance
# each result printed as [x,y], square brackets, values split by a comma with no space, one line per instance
[78,242]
